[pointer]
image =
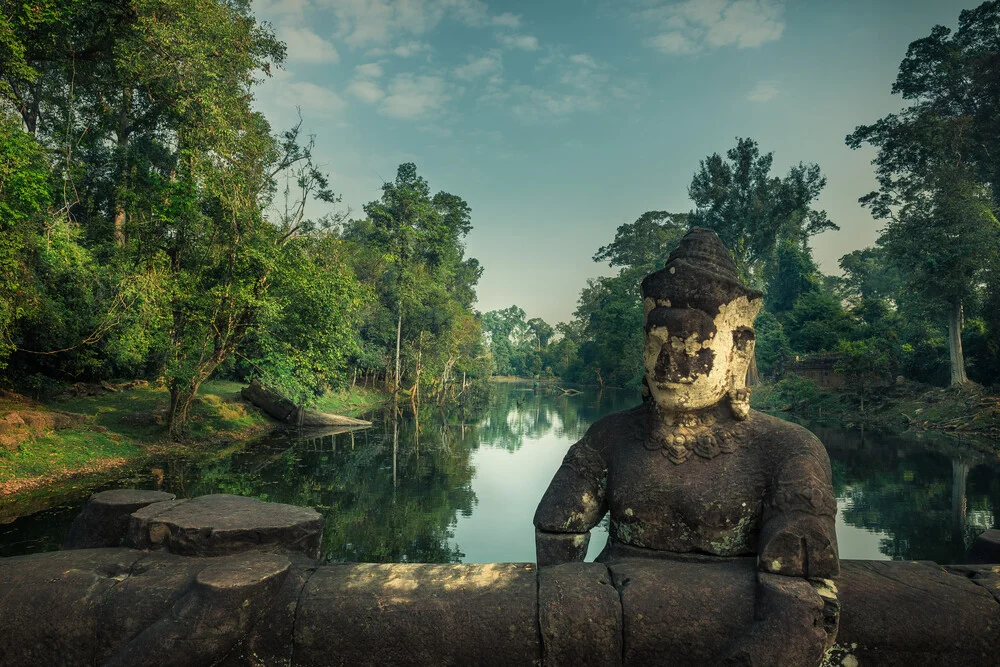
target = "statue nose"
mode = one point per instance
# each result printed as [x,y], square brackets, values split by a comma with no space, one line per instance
[675,365]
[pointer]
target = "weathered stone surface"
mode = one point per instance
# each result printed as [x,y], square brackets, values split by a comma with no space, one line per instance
[271,402]
[222,524]
[104,520]
[683,613]
[912,614]
[580,616]
[50,604]
[271,642]
[555,548]
[405,614]
[986,548]
[125,607]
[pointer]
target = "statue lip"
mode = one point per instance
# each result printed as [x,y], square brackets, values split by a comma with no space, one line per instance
[673,384]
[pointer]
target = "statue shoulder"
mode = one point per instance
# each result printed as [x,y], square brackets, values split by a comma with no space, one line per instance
[616,426]
[784,439]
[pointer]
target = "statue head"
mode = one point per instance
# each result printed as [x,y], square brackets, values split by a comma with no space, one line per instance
[699,327]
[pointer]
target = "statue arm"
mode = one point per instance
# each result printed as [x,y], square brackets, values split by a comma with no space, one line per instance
[798,534]
[796,612]
[573,504]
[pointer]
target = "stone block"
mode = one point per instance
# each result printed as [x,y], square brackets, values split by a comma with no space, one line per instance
[402,614]
[221,524]
[913,614]
[580,616]
[104,520]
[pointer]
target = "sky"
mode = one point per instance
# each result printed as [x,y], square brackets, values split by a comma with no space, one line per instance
[558,121]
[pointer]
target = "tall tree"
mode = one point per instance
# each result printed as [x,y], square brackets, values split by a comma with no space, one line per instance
[753,211]
[411,248]
[936,167]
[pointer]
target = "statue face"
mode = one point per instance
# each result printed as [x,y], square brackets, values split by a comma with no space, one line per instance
[692,360]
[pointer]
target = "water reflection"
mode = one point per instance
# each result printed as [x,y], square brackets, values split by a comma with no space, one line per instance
[447,487]
[926,496]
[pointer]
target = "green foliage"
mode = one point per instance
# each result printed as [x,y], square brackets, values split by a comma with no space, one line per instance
[410,252]
[772,346]
[866,363]
[818,322]
[937,172]
[753,211]
[24,201]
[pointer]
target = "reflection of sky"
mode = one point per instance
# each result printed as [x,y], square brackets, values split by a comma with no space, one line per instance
[855,542]
[509,485]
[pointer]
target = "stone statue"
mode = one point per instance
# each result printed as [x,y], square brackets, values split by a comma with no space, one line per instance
[693,472]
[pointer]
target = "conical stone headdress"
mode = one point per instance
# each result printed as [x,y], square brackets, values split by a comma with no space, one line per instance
[698,274]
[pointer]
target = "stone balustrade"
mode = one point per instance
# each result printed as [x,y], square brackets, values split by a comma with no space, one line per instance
[248,591]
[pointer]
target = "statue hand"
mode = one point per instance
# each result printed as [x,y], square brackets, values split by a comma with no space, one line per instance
[799,545]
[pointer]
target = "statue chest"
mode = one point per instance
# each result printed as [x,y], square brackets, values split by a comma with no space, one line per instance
[702,505]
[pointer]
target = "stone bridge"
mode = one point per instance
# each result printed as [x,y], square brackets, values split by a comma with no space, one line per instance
[235,581]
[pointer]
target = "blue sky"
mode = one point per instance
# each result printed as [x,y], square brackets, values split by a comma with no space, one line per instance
[559,121]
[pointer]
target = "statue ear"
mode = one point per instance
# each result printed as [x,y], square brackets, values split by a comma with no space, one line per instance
[739,402]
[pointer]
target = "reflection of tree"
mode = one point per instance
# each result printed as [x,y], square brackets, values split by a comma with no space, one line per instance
[518,413]
[348,477]
[912,490]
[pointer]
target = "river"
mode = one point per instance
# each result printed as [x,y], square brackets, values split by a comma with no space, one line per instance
[438,488]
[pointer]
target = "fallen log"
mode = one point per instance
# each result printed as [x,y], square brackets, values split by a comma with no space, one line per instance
[284,410]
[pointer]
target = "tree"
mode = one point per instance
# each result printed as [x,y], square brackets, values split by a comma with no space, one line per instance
[542,331]
[508,333]
[936,168]
[753,211]
[865,363]
[411,250]
[645,244]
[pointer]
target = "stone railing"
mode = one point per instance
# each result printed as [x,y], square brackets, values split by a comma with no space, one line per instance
[234,581]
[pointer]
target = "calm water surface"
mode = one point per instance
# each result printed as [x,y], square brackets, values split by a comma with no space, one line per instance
[437,489]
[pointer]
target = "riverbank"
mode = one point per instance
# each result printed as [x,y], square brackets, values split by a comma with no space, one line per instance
[964,410]
[96,431]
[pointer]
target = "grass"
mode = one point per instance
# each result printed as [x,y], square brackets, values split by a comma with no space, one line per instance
[351,402]
[124,427]
[74,451]
[140,414]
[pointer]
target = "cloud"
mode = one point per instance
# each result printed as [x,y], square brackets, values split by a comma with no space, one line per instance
[312,98]
[410,48]
[369,70]
[691,26]
[284,9]
[280,95]
[764,91]
[507,20]
[475,68]
[522,42]
[412,96]
[379,23]
[583,59]
[305,46]
[366,91]
[576,83]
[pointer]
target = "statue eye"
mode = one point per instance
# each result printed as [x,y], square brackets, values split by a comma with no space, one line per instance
[742,337]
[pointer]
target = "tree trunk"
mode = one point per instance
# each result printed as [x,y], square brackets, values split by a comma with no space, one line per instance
[181,397]
[399,330]
[958,375]
[753,376]
[119,226]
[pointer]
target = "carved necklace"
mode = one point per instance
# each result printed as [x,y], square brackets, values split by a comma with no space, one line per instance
[681,435]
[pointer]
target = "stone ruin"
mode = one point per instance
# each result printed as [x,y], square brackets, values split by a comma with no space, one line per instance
[225,580]
[722,550]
